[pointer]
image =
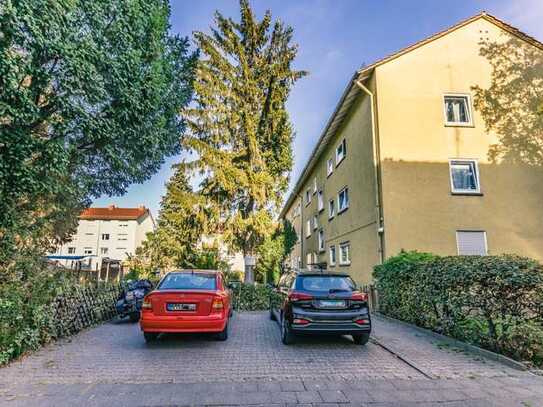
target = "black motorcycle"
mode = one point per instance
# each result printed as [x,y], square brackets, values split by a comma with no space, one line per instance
[131,298]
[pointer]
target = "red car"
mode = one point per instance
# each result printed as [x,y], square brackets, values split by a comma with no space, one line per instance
[187,301]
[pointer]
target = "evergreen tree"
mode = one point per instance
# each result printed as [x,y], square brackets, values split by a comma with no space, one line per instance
[239,126]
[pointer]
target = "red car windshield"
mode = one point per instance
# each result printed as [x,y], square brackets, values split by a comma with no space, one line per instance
[188,281]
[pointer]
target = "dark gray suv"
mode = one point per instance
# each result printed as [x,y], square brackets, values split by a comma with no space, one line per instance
[320,302]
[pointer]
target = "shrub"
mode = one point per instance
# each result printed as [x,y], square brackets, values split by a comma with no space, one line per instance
[251,297]
[492,301]
[47,305]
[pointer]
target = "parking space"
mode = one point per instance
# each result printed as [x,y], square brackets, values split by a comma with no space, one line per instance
[113,359]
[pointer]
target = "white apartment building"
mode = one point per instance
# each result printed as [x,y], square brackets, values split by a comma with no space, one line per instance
[110,233]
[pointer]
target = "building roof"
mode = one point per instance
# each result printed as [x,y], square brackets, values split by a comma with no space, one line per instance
[114,213]
[351,92]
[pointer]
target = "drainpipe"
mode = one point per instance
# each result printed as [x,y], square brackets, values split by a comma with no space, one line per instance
[301,232]
[376,161]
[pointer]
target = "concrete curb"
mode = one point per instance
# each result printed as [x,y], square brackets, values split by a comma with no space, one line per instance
[462,345]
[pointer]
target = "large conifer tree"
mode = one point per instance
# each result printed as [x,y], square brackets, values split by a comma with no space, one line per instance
[239,126]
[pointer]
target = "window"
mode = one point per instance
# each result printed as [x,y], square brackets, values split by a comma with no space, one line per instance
[71,250]
[89,234]
[341,151]
[343,200]
[331,209]
[308,196]
[315,185]
[321,240]
[332,255]
[457,110]
[464,176]
[121,248]
[103,250]
[123,225]
[345,253]
[471,243]
[105,236]
[122,236]
[188,281]
[320,201]
[87,250]
[315,222]
[309,260]
[325,283]
[308,228]
[329,167]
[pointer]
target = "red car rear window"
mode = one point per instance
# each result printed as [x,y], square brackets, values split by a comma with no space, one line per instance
[188,281]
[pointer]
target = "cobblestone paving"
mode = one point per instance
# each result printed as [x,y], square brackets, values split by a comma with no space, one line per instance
[112,365]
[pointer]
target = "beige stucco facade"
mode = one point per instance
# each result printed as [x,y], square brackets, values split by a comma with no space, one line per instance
[399,179]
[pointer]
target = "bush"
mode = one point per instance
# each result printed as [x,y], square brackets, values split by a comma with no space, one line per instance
[249,297]
[48,305]
[491,301]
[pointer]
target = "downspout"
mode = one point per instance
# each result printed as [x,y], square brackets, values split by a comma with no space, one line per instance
[301,232]
[376,163]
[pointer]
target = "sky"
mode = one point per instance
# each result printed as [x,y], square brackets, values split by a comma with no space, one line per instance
[335,38]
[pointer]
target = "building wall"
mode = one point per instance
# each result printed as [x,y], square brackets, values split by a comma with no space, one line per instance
[419,210]
[124,237]
[357,225]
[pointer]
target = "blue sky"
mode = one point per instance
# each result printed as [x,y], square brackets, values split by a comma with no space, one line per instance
[335,38]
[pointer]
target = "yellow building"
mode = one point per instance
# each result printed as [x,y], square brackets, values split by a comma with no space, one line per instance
[403,164]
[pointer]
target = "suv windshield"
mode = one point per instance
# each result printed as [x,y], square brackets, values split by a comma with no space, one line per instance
[188,281]
[325,283]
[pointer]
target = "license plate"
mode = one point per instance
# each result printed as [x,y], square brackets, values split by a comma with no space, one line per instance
[332,303]
[181,307]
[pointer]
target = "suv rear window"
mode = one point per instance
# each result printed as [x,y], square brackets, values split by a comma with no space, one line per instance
[325,283]
[188,281]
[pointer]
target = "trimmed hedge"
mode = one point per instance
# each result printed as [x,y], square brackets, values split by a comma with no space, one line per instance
[495,302]
[249,297]
[48,306]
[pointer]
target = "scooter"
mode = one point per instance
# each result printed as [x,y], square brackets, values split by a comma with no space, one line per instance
[131,298]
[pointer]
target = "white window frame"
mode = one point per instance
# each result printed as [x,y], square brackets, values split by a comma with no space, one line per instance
[329,167]
[320,201]
[315,187]
[87,250]
[71,250]
[331,208]
[477,176]
[469,110]
[308,228]
[307,196]
[340,158]
[339,209]
[321,240]
[348,261]
[102,250]
[472,231]
[332,259]
[105,236]
[315,222]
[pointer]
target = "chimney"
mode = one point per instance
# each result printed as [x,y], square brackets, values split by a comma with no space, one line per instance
[111,207]
[142,207]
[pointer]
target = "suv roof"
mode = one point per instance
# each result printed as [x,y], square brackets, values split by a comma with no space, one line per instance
[193,271]
[306,272]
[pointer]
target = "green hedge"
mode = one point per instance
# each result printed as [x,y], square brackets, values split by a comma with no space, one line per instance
[47,306]
[249,297]
[495,302]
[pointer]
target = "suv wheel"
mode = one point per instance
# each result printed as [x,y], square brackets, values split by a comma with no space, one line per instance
[361,339]
[287,336]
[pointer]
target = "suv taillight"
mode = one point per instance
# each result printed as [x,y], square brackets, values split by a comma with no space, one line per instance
[359,296]
[296,296]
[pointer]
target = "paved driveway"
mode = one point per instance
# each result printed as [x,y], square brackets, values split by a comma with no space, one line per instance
[112,365]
